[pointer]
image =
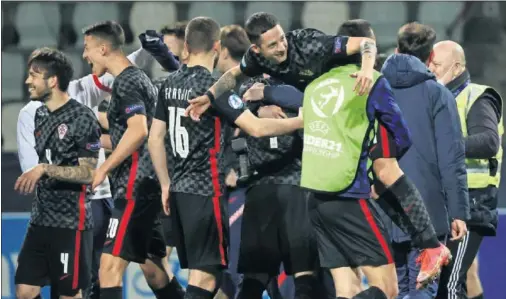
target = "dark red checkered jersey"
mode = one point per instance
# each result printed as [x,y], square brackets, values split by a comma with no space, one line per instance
[194,148]
[310,54]
[61,138]
[132,94]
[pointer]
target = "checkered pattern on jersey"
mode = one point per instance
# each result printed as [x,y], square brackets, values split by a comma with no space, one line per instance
[132,93]
[309,53]
[276,159]
[61,137]
[194,147]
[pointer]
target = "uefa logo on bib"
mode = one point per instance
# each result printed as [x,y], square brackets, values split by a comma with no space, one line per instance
[328,92]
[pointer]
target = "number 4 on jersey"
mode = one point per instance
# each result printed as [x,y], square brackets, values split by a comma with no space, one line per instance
[178,134]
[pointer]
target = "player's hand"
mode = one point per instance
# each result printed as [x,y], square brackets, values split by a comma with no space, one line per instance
[98,177]
[300,117]
[459,230]
[271,111]
[373,194]
[27,182]
[363,84]
[197,107]
[231,179]
[254,93]
[165,199]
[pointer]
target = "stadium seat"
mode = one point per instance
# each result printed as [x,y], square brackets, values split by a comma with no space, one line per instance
[325,16]
[13,76]
[10,112]
[386,18]
[282,10]
[222,12]
[88,13]
[76,57]
[439,15]
[159,14]
[38,24]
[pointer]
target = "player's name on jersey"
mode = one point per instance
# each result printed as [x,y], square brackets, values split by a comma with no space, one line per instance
[180,94]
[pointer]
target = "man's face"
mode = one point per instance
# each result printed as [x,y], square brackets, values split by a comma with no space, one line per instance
[273,45]
[38,86]
[94,54]
[443,66]
[174,44]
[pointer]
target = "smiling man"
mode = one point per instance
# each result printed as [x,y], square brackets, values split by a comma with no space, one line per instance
[134,229]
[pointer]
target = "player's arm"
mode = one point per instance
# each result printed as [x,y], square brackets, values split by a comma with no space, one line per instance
[134,111]
[227,81]
[27,154]
[156,141]
[86,133]
[235,112]
[389,116]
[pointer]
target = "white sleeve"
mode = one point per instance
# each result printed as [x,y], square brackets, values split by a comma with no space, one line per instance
[88,92]
[27,154]
[141,58]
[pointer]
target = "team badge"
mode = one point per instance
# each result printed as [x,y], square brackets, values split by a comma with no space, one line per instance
[62,131]
[235,101]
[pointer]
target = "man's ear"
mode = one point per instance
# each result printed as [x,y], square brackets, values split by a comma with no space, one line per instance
[52,82]
[255,48]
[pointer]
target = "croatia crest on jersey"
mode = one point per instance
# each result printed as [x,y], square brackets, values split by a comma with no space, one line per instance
[62,131]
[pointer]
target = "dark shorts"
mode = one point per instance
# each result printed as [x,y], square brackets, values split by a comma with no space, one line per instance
[276,229]
[385,146]
[135,229]
[200,230]
[57,256]
[167,230]
[349,232]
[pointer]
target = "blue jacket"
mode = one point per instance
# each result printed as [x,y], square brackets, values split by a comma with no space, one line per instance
[436,160]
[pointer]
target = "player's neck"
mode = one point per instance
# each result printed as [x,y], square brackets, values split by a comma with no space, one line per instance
[57,100]
[231,64]
[205,60]
[117,63]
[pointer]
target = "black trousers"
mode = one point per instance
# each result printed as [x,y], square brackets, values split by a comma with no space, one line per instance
[452,283]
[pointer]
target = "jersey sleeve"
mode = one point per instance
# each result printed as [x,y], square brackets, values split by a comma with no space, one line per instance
[161,106]
[229,106]
[131,100]
[389,115]
[315,42]
[249,64]
[87,135]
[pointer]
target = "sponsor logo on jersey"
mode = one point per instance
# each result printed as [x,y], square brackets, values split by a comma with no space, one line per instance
[337,45]
[133,108]
[93,146]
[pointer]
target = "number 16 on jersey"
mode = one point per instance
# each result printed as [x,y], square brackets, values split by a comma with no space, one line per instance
[177,133]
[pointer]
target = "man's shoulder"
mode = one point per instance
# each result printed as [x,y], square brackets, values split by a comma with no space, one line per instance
[30,108]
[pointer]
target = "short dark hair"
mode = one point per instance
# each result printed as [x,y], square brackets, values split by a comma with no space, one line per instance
[416,39]
[110,31]
[235,39]
[178,29]
[356,28]
[201,34]
[259,23]
[54,63]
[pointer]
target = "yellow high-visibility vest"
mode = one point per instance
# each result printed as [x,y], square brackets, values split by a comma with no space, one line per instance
[479,170]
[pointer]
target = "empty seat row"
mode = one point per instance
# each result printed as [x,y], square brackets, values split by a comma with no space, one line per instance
[38,23]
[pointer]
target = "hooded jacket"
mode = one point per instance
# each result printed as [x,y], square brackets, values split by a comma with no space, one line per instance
[436,160]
